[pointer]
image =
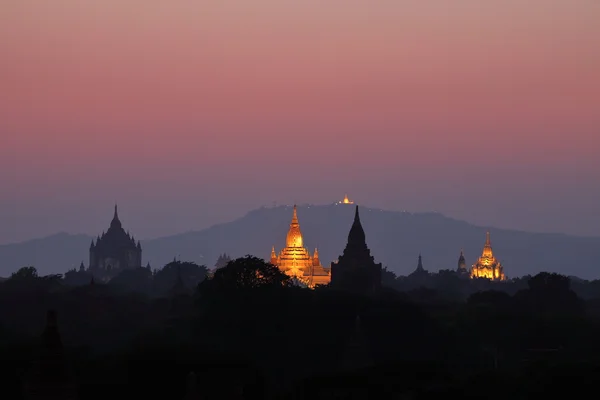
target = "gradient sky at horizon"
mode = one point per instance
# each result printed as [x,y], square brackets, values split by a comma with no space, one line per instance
[191,113]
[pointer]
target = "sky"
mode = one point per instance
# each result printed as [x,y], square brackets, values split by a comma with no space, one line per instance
[192,113]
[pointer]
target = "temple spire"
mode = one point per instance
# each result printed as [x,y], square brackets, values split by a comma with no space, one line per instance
[356,237]
[116,223]
[295,217]
[294,236]
[420,263]
[487,248]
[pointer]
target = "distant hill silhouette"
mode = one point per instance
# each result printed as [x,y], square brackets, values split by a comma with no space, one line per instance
[395,238]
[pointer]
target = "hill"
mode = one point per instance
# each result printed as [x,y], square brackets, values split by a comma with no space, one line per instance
[395,238]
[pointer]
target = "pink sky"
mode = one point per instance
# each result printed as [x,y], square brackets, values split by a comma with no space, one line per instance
[195,112]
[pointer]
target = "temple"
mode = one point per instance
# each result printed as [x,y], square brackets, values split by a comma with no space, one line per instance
[356,270]
[487,266]
[420,271]
[295,260]
[346,200]
[461,269]
[114,251]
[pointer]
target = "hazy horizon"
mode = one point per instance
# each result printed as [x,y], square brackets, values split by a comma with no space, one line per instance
[191,114]
[103,226]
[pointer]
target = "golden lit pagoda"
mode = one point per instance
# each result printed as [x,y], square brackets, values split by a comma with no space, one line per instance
[295,260]
[487,266]
[346,200]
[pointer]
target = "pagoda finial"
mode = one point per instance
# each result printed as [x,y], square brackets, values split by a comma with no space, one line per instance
[115,221]
[295,216]
[488,242]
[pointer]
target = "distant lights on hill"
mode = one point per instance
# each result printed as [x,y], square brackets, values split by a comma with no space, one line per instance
[346,200]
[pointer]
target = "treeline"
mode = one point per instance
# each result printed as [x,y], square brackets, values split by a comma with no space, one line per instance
[248,331]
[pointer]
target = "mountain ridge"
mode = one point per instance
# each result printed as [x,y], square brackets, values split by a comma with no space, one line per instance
[395,237]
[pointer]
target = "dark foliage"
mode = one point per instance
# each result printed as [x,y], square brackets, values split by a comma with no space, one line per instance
[248,332]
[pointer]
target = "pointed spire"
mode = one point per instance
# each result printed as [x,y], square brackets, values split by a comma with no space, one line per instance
[487,248]
[316,255]
[462,264]
[115,223]
[294,236]
[81,267]
[420,263]
[295,217]
[356,237]
[92,244]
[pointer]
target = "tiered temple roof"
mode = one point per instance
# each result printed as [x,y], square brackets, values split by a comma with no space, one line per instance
[487,266]
[295,260]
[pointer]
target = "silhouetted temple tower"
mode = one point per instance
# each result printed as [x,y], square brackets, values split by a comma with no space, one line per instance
[356,269]
[420,271]
[462,265]
[114,251]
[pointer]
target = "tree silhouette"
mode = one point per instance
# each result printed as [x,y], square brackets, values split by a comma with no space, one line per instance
[247,273]
[25,273]
[190,273]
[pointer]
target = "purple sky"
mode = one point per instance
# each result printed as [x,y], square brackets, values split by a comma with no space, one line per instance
[192,113]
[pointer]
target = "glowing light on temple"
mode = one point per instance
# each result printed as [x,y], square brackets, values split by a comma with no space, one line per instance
[295,260]
[346,200]
[487,266]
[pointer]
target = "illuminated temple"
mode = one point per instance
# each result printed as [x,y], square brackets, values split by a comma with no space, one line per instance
[487,266]
[346,200]
[295,260]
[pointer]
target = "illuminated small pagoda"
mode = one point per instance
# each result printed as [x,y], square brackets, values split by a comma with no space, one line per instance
[487,266]
[346,200]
